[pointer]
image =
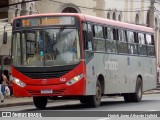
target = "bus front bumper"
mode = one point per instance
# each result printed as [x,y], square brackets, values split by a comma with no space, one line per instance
[50,90]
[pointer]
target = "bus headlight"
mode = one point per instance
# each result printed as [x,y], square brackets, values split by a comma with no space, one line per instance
[19,82]
[74,80]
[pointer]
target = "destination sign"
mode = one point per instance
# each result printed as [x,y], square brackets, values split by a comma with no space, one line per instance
[51,21]
[44,21]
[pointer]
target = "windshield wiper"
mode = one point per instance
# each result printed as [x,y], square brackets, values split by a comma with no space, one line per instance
[59,34]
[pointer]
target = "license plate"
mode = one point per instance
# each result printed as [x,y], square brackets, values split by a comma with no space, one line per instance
[46,91]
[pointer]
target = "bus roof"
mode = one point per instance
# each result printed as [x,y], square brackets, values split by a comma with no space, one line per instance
[97,20]
[118,24]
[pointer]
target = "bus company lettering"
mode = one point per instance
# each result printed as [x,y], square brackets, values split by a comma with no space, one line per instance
[111,65]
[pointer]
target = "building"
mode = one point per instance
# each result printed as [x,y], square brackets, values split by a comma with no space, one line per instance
[7,13]
[142,12]
[4,48]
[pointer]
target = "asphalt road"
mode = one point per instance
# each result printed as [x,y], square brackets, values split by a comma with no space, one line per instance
[115,109]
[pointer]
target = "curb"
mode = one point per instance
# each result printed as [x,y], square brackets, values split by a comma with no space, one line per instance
[2,105]
[151,93]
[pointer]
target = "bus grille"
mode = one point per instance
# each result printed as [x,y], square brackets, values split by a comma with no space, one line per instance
[40,75]
[37,93]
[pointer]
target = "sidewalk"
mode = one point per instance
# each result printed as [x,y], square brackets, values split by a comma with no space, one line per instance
[13,101]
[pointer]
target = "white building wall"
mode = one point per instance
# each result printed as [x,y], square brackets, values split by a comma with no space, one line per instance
[55,7]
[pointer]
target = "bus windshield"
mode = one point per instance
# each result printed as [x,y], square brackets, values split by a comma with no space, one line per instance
[46,47]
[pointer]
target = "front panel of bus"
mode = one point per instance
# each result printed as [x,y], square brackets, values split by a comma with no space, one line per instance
[46,56]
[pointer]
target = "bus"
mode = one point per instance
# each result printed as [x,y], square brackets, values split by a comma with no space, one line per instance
[83,57]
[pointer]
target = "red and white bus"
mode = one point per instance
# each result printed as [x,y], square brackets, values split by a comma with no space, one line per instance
[67,55]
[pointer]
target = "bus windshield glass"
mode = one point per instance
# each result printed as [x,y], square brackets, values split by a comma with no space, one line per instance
[46,47]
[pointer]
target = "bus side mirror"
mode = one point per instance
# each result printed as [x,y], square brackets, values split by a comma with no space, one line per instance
[4,37]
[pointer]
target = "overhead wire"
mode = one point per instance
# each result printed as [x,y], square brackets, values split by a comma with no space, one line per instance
[98,9]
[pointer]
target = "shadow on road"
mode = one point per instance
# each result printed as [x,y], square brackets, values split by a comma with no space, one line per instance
[104,105]
[79,106]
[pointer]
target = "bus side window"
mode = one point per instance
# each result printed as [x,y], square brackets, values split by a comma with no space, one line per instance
[122,43]
[88,37]
[111,46]
[98,37]
[98,31]
[150,45]
[109,33]
[136,37]
[115,34]
[142,49]
[132,45]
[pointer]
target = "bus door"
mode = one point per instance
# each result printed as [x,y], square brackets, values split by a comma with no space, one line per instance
[88,56]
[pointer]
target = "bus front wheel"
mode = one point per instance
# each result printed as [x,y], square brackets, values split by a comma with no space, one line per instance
[40,102]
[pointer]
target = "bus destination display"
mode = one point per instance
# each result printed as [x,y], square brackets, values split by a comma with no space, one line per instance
[43,21]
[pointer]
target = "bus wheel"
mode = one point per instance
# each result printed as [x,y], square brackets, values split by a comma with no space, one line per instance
[40,102]
[127,97]
[84,100]
[95,100]
[137,96]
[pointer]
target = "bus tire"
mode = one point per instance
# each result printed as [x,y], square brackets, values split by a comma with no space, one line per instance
[40,102]
[95,100]
[137,96]
[127,97]
[84,100]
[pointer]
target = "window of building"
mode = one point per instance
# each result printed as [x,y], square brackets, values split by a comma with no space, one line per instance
[119,18]
[69,10]
[114,16]
[137,19]
[108,15]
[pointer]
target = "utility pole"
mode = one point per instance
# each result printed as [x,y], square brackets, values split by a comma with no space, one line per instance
[151,14]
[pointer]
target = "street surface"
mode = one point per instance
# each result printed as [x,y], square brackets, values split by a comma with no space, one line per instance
[149,104]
